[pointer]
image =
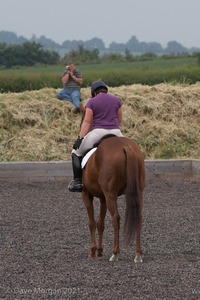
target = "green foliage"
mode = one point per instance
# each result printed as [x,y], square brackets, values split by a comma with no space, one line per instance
[112,57]
[20,83]
[147,72]
[27,54]
[81,56]
[197,55]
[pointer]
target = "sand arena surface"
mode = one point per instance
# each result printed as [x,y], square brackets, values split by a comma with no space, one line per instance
[45,242]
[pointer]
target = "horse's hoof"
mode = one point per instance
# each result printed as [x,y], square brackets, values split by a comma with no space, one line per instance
[138,258]
[91,256]
[113,257]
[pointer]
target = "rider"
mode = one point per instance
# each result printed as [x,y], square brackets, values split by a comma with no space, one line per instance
[103,116]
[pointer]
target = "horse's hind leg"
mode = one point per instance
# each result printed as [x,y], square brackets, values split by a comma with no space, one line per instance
[101,225]
[115,218]
[88,201]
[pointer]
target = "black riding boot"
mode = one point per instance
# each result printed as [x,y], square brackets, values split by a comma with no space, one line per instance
[76,184]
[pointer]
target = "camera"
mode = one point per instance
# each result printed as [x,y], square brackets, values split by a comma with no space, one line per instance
[68,68]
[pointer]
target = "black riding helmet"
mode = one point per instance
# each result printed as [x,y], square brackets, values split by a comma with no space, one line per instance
[97,85]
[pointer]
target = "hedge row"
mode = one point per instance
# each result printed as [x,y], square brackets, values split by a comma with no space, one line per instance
[112,77]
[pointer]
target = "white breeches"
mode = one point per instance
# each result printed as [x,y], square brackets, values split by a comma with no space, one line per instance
[93,137]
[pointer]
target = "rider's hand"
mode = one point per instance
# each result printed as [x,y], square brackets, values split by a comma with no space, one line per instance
[77,143]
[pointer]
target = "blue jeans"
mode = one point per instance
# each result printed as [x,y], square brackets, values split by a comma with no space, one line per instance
[70,95]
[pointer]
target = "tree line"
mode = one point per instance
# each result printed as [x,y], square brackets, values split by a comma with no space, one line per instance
[133,45]
[27,54]
[31,53]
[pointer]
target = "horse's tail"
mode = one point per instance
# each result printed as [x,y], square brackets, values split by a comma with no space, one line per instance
[132,193]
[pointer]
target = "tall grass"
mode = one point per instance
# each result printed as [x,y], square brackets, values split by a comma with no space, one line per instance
[150,72]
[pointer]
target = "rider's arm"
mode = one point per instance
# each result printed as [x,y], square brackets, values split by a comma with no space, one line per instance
[119,115]
[87,123]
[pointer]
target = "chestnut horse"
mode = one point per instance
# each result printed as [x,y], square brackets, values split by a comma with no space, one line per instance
[114,169]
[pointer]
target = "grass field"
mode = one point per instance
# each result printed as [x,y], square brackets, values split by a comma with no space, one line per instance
[157,63]
[146,72]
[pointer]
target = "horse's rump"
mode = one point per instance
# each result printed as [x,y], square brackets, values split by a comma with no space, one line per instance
[107,167]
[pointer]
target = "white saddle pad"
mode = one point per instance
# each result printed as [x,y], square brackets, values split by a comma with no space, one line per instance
[87,156]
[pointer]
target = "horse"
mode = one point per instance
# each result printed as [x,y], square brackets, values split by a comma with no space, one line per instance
[115,168]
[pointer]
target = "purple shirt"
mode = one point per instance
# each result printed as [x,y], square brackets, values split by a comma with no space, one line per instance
[105,108]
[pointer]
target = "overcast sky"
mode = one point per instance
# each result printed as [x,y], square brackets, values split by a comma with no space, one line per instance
[110,20]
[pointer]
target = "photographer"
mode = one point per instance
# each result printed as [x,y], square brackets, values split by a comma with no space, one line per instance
[72,81]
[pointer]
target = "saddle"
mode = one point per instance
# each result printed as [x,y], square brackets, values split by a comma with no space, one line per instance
[103,138]
[93,149]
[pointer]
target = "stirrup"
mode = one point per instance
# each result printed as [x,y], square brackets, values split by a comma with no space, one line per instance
[75,186]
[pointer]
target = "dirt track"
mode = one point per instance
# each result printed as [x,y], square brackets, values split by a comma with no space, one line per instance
[45,242]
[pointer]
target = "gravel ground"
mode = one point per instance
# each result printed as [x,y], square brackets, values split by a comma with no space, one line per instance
[45,243]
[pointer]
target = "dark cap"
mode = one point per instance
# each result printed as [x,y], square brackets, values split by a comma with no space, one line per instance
[97,85]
